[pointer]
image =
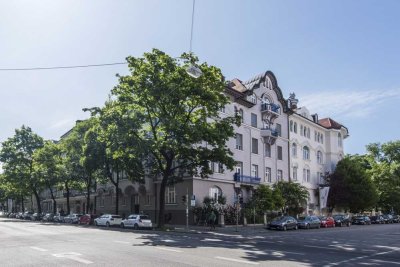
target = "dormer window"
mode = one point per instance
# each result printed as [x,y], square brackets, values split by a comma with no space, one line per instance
[253,99]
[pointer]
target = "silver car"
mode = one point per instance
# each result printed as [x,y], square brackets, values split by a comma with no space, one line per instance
[137,221]
[108,220]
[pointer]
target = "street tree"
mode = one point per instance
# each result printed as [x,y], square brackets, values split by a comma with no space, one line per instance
[293,196]
[174,118]
[351,188]
[16,156]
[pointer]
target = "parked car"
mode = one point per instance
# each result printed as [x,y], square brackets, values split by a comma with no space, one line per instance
[283,223]
[48,217]
[58,217]
[27,215]
[19,215]
[35,217]
[308,222]
[87,219]
[362,220]
[108,220]
[341,220]
[12,215]
[137,221]
[72,218]
[396,218]
[378,219]
[387,218]
[327,221]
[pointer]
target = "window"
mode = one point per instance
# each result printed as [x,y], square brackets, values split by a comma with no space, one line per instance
[295,127]
[279,175]
[294,150]
[308,175]
[220,167]
[239,141]
[241,115]
[253,99]
[301,130]
[306,153]
[322,138]
[315,136]
[136,199]
[319,157]
[212,166]
[308,133]
[254,170]
[170,197]
[279,152]
[267,150]
[291,126]
[148,199]
[294,173]
[102,201]
[254,145]
[214,193]
[339,140]
[321,178]
[239,167]
[253,120]
[279,129]
[268,174]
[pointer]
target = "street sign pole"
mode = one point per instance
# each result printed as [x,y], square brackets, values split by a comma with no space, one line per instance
[187,209]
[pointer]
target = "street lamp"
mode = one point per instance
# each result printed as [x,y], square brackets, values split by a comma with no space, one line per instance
[193,70]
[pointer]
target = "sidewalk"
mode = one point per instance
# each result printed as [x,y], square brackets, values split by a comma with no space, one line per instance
[240,230]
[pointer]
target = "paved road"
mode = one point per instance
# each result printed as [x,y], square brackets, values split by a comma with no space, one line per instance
[26,243]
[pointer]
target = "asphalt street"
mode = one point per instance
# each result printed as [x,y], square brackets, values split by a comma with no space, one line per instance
[25,243]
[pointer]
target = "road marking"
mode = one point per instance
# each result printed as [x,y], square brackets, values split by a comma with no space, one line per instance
[236,260]
[122,242]
[390,262]
[169,249]
[39,249]
[72,256]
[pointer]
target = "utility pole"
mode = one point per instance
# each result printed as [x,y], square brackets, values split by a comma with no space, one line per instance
[187,209]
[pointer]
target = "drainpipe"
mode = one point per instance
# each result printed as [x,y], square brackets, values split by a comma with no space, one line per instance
[288,144]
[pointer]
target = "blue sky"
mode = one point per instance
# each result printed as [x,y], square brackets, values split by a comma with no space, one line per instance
[341,58]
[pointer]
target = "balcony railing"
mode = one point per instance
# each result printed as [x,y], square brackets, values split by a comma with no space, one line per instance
[270,107]
[237,177]
[266,132]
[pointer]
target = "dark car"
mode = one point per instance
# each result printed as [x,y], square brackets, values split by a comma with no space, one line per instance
[396,218]
[378,219]
[283,223]
[27,215]
[388,218]
[362,220]
[36,217]
[308,222]
[342,220]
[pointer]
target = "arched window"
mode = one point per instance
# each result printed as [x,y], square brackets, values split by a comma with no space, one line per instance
[215,193]
[294,150]
[339,140]
[291,126]
[295,127]
[319,157]
[306,153]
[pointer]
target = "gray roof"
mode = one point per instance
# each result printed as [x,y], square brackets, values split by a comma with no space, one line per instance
[256,80]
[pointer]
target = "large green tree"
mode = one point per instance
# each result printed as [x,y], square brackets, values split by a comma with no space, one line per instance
[174,118]
[293,196]
[265,199]
[17,157]
[385,172]
[351,188]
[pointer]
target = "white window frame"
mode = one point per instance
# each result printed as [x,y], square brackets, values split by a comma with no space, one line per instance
[170,195]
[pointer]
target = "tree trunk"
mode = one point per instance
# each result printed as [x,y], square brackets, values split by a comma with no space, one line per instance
[22,203]
[88,194]
[68,205]
[53,198]
[39,206]
[161,219]
[117,194]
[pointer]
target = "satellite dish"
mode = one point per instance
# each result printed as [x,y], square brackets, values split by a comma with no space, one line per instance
[194,71]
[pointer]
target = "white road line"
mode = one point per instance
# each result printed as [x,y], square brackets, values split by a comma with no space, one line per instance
[39,249]
[169,249]
[382,261]
[121,242]
[236,260]
[72,256]
[360,258]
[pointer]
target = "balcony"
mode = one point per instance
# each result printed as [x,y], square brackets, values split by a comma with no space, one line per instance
[269,135]
[237,177]
[270,110]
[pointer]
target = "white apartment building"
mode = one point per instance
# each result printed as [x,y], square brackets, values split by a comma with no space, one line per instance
[316,146]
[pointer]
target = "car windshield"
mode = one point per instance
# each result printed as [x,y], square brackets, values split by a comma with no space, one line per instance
[144,217]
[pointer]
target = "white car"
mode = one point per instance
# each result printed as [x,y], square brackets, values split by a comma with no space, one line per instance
[137,221]
[108,220]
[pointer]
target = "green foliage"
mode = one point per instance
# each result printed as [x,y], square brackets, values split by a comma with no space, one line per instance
[351,187]
[293,196]
[170,114]
[264,199]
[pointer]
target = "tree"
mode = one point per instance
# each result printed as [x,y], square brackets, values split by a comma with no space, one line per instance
[171,117]
[294,196]
[17,157]
[385,172]
[47,166]
[264,199]
[351,188]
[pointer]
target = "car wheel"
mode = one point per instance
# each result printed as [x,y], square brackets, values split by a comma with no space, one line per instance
[284,228]
[107,224]
[122,225]
[348,224]
[319,226]
[136,226]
